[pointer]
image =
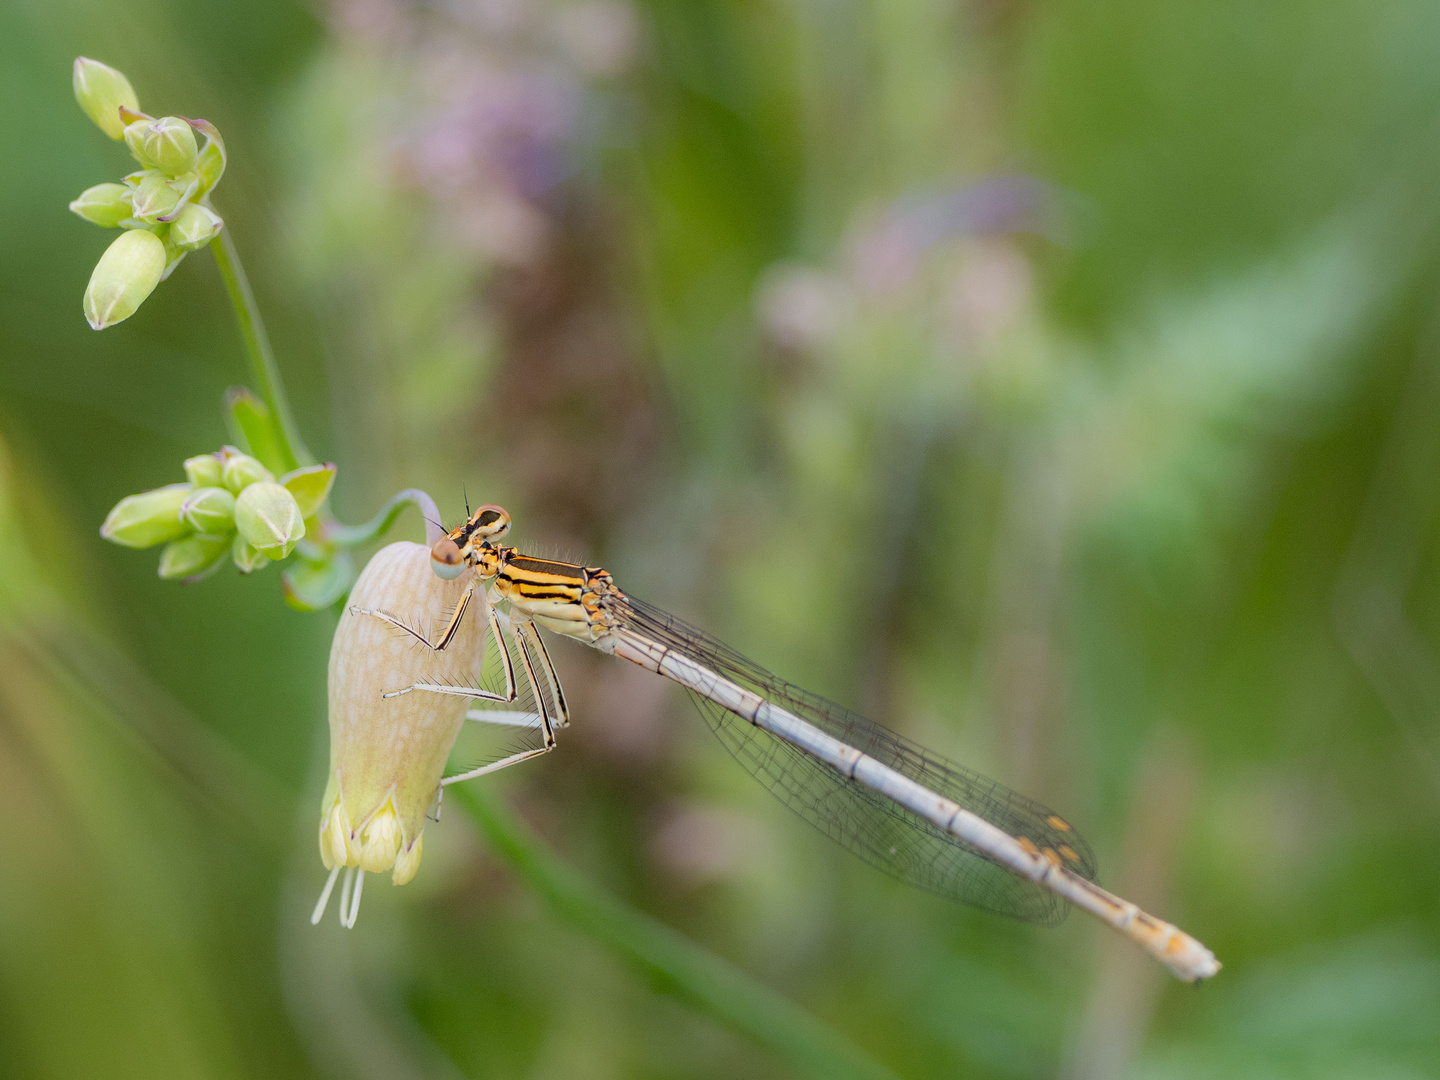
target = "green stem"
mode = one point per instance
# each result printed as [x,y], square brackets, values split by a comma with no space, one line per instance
[355,535]
[257,346]
[677,964]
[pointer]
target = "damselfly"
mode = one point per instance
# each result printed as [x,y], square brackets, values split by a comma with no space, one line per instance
[897,805]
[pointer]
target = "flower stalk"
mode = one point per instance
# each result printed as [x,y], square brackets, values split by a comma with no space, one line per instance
[261,355]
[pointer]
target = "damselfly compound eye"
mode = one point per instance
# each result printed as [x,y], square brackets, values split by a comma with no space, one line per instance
[446,560]
[489,522]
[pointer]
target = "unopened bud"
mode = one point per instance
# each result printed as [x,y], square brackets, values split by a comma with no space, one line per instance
[191,555]
[194,227]
[247,559]
[310,486]
[242,470]
[203,470]
[170,143]
[134,135]
[125,275]
[209,510]
[147,519]
[269,518]
[101,91]
[105,205]
[153,197]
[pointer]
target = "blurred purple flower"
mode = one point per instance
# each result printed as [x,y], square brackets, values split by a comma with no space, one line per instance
[886,247]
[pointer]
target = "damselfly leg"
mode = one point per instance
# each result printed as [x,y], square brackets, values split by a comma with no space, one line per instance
[520,630]
[533,655]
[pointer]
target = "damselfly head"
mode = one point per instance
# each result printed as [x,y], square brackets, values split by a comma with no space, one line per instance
[446,558]
[469,541]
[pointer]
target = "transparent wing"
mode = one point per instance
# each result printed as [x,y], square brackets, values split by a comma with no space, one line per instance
[504,728]
[880,831]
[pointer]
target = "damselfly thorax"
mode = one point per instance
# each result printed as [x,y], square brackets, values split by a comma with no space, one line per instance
[896,804]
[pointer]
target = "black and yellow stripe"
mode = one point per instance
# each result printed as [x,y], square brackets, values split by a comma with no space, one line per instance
[561,597]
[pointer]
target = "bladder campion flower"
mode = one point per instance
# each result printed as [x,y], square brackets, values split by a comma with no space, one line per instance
[387,755]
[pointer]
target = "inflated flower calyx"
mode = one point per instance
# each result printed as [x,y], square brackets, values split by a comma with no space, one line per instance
[101,91]
[106,205]
[191,555]
[194,227]
[147,519]
[209,510]
[388,754]
[204,470]
[125,275]
[269,519]
[170,143]
[239,471]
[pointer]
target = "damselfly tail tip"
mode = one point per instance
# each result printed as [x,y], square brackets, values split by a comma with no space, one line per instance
[1189,959]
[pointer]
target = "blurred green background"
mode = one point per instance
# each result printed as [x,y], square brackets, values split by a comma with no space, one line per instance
[1057,382]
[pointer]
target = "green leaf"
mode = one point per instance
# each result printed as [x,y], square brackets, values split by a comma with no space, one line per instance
[252,425]
[310,486]
[313,586]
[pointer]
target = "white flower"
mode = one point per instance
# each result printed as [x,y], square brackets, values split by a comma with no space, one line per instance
[387,755]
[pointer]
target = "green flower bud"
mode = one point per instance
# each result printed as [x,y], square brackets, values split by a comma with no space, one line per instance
[194,227]
[101,91]
[310,486]
[153,198]
[191,555]
[209,510]
[125,275]
[134,135]
[242,470]
[105,205]
[246,558]
[147,519]
[203,470]
[269,518]
[170,143]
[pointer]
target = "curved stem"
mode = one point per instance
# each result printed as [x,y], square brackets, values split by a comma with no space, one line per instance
[355,535]
[257,347]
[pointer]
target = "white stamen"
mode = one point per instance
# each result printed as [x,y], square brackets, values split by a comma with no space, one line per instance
[324,900]
[355,900]
[345,895]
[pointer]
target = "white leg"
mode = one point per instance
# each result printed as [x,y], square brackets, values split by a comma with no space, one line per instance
[446,636]
[496,766]
[542,659]
[504,717]
[547,731]
[463,691]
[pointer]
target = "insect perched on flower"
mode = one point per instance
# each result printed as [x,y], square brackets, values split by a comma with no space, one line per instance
[387,754]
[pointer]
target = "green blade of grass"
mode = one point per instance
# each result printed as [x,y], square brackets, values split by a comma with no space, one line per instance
[673,962]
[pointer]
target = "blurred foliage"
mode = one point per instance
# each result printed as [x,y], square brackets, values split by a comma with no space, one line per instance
[1055,382]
